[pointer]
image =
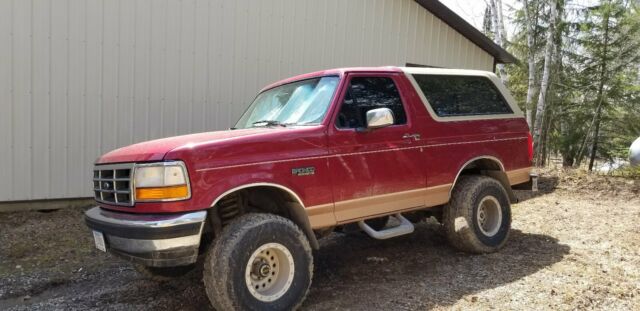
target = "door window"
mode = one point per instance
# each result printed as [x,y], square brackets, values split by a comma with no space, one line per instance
[367,93]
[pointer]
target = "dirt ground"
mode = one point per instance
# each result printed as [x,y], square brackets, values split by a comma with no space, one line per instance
[575,245]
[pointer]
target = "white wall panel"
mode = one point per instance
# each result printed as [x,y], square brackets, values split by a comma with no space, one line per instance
[6,100]
[40,87]
[79,78]
[76,96]
[22,99]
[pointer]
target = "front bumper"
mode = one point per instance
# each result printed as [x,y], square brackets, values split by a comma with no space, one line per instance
[154,240]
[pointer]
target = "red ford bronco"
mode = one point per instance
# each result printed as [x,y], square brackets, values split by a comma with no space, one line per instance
[313,154]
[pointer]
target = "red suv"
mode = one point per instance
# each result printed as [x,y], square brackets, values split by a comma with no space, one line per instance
[312,154]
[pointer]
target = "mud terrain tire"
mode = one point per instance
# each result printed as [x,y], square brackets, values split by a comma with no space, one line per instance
[229,265]
[477,219]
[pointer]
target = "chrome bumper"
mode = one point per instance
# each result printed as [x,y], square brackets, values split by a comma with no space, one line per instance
[153,240]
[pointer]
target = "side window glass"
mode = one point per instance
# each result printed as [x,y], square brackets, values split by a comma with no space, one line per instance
[451,96]
[367,93]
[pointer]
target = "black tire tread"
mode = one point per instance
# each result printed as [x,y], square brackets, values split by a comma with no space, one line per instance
[465,191]
[216,276]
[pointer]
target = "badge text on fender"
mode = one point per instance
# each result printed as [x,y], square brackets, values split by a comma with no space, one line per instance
[303,171]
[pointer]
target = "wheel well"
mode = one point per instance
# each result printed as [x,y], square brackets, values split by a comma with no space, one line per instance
[261,199]
[488,166]
[478,165]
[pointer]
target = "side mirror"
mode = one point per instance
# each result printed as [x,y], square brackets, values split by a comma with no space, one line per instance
[380,117]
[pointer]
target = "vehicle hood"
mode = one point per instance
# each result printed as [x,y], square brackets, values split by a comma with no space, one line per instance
[155,150]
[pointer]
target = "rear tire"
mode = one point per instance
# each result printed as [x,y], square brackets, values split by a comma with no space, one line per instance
[259,262]
[477,219]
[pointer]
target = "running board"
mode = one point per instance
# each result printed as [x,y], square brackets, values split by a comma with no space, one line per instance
[405,227]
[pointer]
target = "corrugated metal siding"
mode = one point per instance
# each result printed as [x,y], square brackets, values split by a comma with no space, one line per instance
[81,77]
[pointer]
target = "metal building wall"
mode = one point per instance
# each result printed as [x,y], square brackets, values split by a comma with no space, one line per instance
[81,77]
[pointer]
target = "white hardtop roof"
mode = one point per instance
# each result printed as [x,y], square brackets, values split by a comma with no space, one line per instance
[446,71]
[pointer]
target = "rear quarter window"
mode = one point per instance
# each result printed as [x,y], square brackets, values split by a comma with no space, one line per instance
[455,96]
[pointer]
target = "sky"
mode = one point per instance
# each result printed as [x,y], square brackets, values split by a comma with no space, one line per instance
[473,11]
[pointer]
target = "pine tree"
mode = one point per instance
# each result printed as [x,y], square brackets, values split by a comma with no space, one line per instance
[571,124]
[610,41]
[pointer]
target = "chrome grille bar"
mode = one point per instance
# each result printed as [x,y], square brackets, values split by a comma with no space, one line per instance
[113,184]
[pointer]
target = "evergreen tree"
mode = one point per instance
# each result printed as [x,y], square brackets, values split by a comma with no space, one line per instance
[591,106]
[610,46]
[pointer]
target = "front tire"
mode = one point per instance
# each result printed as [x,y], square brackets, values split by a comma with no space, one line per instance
[477,219]
[259,262]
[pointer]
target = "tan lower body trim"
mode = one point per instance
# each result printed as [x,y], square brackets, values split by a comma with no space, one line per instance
[519,176]
[433,196]
[379,204]
[438,195]
[327,215]
[321,216]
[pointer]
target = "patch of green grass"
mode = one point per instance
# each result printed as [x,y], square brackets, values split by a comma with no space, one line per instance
[627,172]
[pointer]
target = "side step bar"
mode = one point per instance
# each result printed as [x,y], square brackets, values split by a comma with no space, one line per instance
[405,227]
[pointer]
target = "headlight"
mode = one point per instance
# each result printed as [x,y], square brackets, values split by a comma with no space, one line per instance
[164,181]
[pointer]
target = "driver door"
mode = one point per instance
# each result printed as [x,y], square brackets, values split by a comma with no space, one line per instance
[374,171]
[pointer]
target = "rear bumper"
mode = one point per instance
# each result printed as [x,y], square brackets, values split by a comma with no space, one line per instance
[531,184]
[152,240]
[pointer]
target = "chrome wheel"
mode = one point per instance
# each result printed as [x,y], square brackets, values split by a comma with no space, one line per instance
[489,216]
[269,272]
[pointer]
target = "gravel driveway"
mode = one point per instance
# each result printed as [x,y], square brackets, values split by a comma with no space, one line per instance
[576,245]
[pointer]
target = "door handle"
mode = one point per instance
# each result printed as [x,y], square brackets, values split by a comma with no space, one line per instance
[415,137]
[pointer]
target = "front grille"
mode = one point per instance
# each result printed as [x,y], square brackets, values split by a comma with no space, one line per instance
[112,184]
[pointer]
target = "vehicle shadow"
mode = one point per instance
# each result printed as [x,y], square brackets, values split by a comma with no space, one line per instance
[355,272]
[546,185]
[418,271]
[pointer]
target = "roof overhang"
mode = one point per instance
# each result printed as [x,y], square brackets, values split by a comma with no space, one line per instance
[474,35]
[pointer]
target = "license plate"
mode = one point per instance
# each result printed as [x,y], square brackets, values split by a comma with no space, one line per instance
[99,238]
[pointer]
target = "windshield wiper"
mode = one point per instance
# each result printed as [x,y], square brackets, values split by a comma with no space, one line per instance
[268,123]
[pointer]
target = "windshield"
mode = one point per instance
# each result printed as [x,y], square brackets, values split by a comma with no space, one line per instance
[299,103]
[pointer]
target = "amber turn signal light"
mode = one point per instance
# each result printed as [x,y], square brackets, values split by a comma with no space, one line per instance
[162,193]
